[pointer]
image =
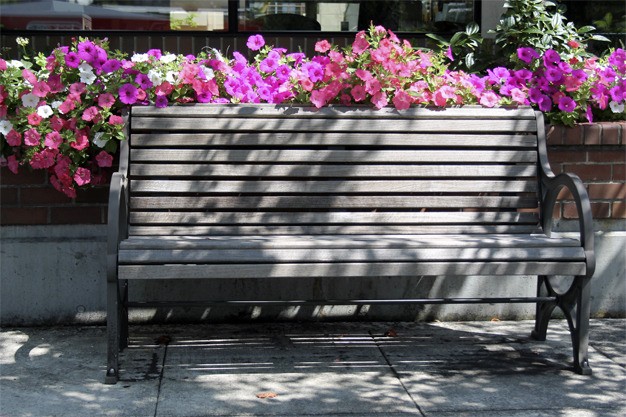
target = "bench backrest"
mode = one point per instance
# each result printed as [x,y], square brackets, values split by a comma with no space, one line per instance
[265,169]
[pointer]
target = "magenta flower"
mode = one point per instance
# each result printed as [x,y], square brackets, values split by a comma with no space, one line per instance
[41,89]
[161,101]
[72,60]
[12,164]
[128,94]
[143,81]
[358,93]
[106,100]
[489,99]
[314,70]
[14,138]
[527,55]
[402,100]
[82,176]
[360,43]
[82,140]
[32,137]
[554,75]
[104,159]
[589,114]
[111,65]
[544,103]
[449,53]
[255,42]
[87,51]
[43,159]
[567,104]
[90,114]
[551,57]
[379,100]
[322,46]
[53,140]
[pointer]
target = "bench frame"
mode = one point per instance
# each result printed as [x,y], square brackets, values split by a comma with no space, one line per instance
[574,302]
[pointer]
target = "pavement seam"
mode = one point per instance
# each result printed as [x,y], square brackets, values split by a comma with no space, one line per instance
[158,396]
[397,375]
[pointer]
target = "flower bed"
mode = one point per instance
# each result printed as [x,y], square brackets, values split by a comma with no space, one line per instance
[62,112]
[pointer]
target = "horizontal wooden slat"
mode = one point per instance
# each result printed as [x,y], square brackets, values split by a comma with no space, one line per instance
[224,218]
[344,242]
[211,124]
[245,230]
[330,156]
[330,171]
[329,202]
[382,269]
[332,186]
[317,255]
[368,139]
[299,111]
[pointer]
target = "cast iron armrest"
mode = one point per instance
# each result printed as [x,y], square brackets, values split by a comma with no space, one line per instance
[117,228]
[552,185]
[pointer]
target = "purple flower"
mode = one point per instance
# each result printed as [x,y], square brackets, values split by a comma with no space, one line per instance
[283,72]
[554,75]
[128,94]
[87,51]
[314,70]
[544,103]
[449,53]
[551,57]
[498,74]
[567,104]
[161,101]
[589,114]
[72,60]
[111,65]
[143,81]
[527,54]
[255,42]
[268,64]
[155,53]
[618,93]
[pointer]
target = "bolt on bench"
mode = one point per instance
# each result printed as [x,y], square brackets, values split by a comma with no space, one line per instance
[263,191]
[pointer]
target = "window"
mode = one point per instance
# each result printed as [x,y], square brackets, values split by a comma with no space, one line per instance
[418,16]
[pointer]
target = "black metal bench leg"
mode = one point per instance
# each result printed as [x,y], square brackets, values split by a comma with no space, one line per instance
[113,333]
[576,307]
[123,342]
[544,309]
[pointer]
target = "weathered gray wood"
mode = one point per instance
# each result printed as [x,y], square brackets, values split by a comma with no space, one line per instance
[330,156]
[331,171]
[210,124]
[332,186]
[322,202]
[299,111]
[342,241]
[245,230]
[317,255]
[225,218]
[369,139]
[382,269]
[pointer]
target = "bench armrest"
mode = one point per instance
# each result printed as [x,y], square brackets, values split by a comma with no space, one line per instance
[117,228]
[551,186]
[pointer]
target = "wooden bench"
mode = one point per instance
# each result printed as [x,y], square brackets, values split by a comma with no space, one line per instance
[264,191]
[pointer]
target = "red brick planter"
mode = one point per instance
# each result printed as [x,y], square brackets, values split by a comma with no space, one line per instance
[596,152]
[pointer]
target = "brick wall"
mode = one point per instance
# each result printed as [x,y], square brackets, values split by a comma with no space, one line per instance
[29,199]
[596,152]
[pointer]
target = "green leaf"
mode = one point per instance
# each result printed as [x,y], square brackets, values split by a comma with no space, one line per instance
[472,28]
[600,38]
[438,39]
[586,29]
[455,38]
[469,60]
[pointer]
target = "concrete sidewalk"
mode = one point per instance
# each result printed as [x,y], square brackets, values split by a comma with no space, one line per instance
[314,369]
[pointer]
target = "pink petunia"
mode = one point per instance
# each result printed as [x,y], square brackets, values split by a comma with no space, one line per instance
[82,140]
[318,98]
[32,137]
[106,100]
[90,113]
[53,140]
[43,159]
[82,176]
[104,159]
[255,42]
[402,100]
[360,43]
[358,93]
[41,89]
[379,100]
[322,46]
[489,99]
[34,119]
[116,120]
[14,138]
[29,76]
[13,164]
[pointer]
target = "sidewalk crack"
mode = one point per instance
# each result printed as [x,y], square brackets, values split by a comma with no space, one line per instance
[397,375]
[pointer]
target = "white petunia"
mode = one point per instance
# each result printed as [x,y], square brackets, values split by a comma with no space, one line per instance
[5,127]
[44,111]
[171,77]
[30,100]
[87,77]
[208,72]
[55,104]
[140,58]
[155,77]
[15,64]
[616,107]
[98,141]
[168,58]
[85,67]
